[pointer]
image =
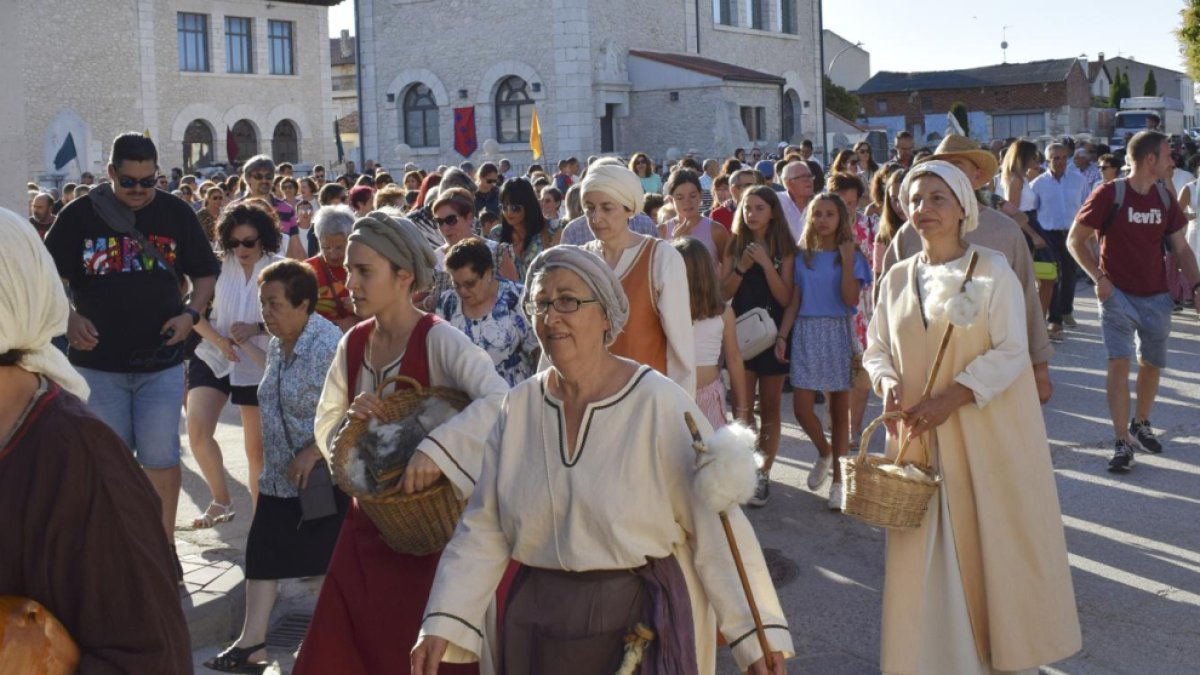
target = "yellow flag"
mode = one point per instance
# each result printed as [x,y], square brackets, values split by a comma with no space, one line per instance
[535,136]
[146,133]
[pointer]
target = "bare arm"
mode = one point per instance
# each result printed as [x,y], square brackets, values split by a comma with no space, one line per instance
[780,285]
[737,369]
[850,286]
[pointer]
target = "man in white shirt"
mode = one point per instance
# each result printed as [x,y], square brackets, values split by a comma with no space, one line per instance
[1060,195]
[798,180]
[1083,164]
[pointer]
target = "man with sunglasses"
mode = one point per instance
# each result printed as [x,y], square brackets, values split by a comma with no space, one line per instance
[128,327]
[487,193]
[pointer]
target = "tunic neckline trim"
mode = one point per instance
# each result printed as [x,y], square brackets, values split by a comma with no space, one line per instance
[589,412]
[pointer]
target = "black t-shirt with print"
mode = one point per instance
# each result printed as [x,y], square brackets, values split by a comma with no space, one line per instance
[126,294]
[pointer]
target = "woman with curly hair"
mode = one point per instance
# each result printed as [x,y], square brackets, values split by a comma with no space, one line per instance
[643,166]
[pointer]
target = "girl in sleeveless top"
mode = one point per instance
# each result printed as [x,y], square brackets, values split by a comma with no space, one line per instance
[716,338]
[759,259]
[371,603]
[684,189]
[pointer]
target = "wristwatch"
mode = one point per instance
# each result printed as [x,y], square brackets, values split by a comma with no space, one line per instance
[192,313]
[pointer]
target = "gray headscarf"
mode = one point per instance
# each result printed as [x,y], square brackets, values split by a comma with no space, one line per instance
[599,277]
[398,240]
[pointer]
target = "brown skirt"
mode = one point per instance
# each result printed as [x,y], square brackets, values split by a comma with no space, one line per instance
[570,622]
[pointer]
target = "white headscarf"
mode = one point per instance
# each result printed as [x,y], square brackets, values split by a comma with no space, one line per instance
[616,181]
[958,182]
[33,306]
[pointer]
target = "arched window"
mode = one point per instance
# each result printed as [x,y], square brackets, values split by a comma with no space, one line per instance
[420,116]
[514,111]
[285,145]
[247,141]
[197,146]
[790,127]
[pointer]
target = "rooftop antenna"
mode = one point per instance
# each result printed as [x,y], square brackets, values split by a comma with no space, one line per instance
[1004,43]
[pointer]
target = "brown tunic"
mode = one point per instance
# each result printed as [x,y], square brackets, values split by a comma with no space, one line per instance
[643,338]
[81,533]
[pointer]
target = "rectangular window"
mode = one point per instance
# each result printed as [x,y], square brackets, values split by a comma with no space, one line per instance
[926,104]
[758,18]
[760,122]
[239,44]
[754,119]
[880,105]
[193,42]
[279,35]
[725,12]
[787,16]
[1021,125]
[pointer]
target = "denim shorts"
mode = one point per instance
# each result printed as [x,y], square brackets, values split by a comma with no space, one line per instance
[1146,320]
[143,408]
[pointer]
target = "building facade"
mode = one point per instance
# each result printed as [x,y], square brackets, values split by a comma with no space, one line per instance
[1034,100]
[192,74]
[603,76]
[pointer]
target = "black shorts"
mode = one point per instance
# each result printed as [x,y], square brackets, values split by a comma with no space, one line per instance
[200,375]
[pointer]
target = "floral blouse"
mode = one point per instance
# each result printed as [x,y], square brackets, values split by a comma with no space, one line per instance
[864,235]
[504,333]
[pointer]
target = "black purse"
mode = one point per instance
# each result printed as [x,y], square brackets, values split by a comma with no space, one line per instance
[317,499]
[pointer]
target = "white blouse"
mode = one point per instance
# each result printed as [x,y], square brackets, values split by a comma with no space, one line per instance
[235,299]
[674,307]
[454,361]
[624,495]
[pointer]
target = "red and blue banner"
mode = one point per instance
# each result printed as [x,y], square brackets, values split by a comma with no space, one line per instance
[465,142]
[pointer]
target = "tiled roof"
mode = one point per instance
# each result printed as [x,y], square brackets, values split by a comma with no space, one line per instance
[1001,75]
[335,51]
[699,64]
[349,123]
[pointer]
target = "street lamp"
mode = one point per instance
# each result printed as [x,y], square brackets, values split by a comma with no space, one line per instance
[835,56]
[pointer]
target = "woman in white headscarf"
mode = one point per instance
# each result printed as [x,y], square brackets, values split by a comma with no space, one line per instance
[79,521]
[651,271]
[983,585]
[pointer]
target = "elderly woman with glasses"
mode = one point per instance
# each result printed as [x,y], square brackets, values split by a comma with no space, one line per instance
[952,601]
[369,610]
[217,373]
[332,226]
[588,483]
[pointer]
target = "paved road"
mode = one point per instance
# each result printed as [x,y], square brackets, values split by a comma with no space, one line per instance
[1134,540]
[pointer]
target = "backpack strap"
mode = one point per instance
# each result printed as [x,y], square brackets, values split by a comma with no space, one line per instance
[1118,201]
[356,349]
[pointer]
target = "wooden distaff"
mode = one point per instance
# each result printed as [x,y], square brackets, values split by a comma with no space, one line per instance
[941,354]
[698,444]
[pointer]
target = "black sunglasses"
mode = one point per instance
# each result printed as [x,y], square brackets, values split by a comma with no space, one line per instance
[233,244]
[513,208]
[262,176]
[128,183]
[449,221]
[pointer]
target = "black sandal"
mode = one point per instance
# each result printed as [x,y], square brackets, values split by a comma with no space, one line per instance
[234,660]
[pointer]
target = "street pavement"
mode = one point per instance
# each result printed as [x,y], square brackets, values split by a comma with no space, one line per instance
[1134,540]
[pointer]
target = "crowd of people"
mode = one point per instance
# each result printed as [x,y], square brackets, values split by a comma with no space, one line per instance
[583,312]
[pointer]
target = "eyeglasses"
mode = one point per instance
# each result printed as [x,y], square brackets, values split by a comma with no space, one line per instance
[467,285]
[449,221]
[641,161]
[563,305]
[262,176]
[233,244]
[513,208]
[128,183]
[489,181]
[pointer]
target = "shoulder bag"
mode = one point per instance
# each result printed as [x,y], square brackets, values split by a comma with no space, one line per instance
[316,497]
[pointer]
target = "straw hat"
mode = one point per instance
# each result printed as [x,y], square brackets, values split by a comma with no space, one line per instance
[954,145]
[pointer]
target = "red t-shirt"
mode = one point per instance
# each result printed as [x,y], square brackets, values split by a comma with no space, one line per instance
[1131,251]
[723,215]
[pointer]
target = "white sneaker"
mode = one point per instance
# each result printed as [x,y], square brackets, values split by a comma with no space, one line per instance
[820,469]
[837,498]
[762,491]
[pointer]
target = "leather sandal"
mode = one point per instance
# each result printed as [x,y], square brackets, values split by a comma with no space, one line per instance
[235,660]
[207,519]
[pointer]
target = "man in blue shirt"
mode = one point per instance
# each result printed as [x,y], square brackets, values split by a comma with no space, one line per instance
[1060,195]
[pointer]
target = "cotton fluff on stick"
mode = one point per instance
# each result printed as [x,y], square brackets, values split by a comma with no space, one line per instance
[947,294]
[726,472]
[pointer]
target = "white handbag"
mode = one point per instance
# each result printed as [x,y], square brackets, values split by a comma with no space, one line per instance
[756,332]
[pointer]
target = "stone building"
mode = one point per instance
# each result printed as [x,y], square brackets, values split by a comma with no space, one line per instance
[1035,99]
[190,73]
[603,76]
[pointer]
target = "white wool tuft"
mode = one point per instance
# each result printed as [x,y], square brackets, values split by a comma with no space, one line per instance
[945,295]
[727,474]
[356,471]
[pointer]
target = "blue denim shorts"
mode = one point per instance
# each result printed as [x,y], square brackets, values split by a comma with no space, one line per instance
[1128,319]
[143,408]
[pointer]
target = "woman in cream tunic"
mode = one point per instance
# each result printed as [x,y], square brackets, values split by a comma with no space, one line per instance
[983,585]
[588,483]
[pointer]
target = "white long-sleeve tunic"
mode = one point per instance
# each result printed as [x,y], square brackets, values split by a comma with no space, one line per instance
[624,495]
[454,361]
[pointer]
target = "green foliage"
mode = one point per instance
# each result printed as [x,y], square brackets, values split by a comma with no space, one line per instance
[1188,35]
[1114,89]
[1126,92]
[841,101]
[959,110]
[1151,86]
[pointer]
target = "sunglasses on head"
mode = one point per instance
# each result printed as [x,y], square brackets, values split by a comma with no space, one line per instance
[233,244]
[128,183]
[449,221]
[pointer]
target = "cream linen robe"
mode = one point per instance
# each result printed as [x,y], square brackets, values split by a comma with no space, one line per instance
[624,496]
[997,479]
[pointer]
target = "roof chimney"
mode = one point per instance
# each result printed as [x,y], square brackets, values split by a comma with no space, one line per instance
[347,51]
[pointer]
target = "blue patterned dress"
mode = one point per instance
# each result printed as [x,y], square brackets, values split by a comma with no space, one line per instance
[504,333]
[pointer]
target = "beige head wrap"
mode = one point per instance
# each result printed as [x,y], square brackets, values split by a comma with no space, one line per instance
[33,306]
[398,240]
[615,181]
[599,277]
[958,182]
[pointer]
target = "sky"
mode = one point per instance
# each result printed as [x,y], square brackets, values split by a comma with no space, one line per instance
[954,34]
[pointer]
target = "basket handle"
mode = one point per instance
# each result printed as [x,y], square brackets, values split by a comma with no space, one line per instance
[865,439]
[398,379]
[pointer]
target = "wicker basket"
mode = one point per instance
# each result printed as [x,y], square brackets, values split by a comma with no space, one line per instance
[884,499]
[417,524]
